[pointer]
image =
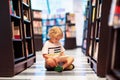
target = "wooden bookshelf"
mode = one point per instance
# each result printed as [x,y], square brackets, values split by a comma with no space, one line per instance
[17,41]
[113,62]
[85,29]
[37,27]
[97,36]
[70,33]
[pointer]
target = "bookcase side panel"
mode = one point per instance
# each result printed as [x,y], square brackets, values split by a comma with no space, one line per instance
[6,50]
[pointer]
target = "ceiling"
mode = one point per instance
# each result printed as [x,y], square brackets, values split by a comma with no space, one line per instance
[58,6]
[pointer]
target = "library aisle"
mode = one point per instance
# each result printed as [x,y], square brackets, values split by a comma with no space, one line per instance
[37,71]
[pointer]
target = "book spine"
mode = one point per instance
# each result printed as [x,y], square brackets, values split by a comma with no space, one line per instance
[11,7]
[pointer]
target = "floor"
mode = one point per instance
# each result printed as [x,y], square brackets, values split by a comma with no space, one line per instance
[37,71]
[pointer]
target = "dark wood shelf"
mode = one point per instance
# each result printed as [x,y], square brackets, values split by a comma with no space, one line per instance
[36,19]
[17,41]
[37,27]
[17,60]
[27,21]
[97,40]
[14,17]
[30,55]
[113,62]
[25,5]
[70,37]
[117,73]
[70,43]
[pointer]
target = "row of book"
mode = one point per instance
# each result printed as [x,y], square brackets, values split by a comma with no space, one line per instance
[16,11]
[52,22]
[52,16]
[15,31]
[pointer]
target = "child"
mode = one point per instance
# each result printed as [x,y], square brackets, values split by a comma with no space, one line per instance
[53,52]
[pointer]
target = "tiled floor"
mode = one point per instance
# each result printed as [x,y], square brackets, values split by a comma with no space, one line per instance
[37,71]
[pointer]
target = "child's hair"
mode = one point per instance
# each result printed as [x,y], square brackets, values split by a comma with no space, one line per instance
[55,32]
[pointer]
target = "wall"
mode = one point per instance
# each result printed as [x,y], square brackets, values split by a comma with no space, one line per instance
[79,9]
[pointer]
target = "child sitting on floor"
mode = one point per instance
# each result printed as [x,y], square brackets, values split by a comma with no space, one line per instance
[53,52]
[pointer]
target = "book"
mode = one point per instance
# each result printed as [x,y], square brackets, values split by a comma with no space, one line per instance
[37,14]
[11,7]
[16,32]
[114,17]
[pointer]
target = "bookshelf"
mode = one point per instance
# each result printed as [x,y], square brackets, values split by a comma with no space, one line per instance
[70,33]
[37,27]
[85,29]
[113,64]
[17,43]
[97,36]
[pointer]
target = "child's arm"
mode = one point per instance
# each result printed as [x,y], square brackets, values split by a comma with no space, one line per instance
[57,56]
[62,54]
[46,56]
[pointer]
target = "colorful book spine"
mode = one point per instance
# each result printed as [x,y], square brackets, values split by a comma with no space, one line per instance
[11,7]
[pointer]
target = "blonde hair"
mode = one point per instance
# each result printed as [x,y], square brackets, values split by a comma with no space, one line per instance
[55,32]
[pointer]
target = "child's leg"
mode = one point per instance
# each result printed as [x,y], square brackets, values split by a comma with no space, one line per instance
[50,64]
[48,68]
[67,60]
[70,67]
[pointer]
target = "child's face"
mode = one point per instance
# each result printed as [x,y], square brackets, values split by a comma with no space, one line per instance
[55,40]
